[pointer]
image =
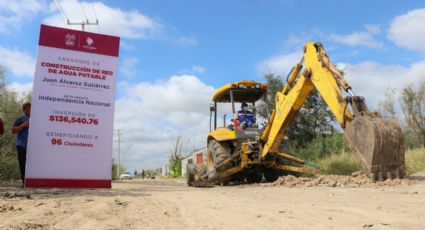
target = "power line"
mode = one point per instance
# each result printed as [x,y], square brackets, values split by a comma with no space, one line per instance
[62,11]
[84,22]
[84,11]
[85,15]
[97,20]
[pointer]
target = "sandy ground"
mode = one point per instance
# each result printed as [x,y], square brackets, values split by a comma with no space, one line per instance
[170,204]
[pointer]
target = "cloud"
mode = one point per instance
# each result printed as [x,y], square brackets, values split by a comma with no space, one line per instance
[19,63]
[187,41]
[14,13]
[127,67]
[125,45]
[279,64]
[371,79]
[127,24]
[359,38]
[408,30]
[153,114]
[21,89]
[195,69]
[198,69]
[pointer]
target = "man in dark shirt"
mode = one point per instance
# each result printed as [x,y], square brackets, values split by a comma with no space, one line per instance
[20,127]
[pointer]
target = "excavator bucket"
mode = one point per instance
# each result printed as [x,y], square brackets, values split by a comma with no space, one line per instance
[379,145]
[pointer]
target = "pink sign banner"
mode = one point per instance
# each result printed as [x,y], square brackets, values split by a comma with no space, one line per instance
[72,114]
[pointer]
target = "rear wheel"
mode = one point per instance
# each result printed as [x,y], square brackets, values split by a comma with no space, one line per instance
[218,152]
[254,177]
[271,175]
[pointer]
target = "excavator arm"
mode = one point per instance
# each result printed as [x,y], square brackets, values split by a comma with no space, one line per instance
[377,142]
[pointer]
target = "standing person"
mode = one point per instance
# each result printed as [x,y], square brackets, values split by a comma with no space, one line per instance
[20,127]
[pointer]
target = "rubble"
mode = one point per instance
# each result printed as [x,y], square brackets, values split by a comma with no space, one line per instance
[11,194]
[354,181]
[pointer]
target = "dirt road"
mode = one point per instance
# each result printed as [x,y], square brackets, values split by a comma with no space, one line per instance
[169,204]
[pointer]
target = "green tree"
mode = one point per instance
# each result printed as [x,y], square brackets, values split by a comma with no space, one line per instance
[115,166]
[275,84]
[175,161]
[10,109]
[387,106]
[413,105]
[314,118]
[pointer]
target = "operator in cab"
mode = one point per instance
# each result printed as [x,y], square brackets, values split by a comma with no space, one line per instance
[245,117]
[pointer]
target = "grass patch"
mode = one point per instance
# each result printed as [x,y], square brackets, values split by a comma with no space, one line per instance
[415,160]
[346,163]
[339,164]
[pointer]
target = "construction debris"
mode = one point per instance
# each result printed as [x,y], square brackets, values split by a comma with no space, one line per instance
[11,194]
[353,181]
[122,203]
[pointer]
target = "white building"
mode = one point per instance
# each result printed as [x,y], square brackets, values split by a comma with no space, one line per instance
[185,161]
[198,157]
[165,171]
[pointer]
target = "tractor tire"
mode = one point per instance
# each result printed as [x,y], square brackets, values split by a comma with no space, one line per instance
[200,170]
[272,175]
[190,173]
[238,178]
[217,153]
[254,177]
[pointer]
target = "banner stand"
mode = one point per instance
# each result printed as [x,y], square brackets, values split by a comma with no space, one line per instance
[72,112]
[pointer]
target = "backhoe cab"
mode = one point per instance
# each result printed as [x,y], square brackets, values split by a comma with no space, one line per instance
[233,95]
[225,160]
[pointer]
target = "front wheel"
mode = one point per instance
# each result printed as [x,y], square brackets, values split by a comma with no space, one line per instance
[218,152]
[190,174]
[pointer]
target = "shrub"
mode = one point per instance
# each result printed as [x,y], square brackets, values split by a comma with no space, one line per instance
[412,140]
[114,170]
[415,160]
[321,147]
[9,168]
[344,163]
[175,168]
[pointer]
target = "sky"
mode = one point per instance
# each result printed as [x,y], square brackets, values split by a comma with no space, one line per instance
[174,54]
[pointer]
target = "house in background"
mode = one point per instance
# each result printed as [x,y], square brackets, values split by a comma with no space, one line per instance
[165,171]
[198,157]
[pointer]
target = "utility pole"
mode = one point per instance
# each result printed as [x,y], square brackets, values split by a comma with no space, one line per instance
[84,23]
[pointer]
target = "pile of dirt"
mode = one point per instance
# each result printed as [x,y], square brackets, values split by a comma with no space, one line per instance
[354,181]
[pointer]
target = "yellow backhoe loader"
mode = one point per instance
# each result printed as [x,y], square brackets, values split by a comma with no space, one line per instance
[246,152]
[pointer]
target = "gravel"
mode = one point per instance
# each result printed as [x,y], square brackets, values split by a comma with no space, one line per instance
[354,181]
